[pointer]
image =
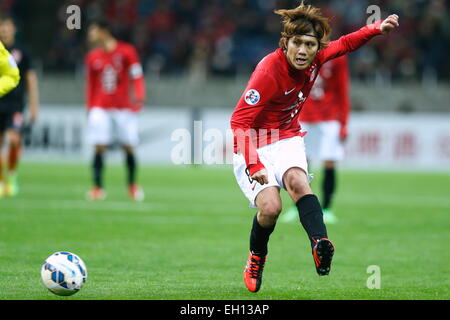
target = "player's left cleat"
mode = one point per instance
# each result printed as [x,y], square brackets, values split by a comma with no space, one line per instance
[253,272]
[136,192]
[2,190]
[12,186]
[323,252]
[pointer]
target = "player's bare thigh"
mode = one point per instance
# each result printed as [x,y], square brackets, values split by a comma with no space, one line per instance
[329,164]
[14,138]
[127,148]
[99,148]
[269,204]
[296,183]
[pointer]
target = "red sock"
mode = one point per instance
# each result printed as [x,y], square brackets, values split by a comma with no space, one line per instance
[13,158]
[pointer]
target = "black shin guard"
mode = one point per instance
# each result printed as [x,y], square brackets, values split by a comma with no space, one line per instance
[131,167]
[311,217]
[328,186]
[97,169]
[259,237]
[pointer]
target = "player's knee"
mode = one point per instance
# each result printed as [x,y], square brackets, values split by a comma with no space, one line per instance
[270,209]
[100,149]
[14,139]
[296,183]
[128,149]
[328,164]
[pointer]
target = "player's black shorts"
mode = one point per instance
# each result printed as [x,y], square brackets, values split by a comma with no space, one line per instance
[11,120]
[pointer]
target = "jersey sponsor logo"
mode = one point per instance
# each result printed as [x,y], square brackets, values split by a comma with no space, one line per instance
[288,92]
[109,79]
[252,97]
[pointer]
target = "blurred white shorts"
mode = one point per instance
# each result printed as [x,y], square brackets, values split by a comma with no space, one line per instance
[322,140]
[277,157]
[106,126]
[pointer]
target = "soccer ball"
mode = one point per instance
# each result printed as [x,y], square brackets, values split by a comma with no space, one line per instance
[63,273]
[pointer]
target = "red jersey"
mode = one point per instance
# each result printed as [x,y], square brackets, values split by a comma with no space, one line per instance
[269,109]
[329,97]
[109,75]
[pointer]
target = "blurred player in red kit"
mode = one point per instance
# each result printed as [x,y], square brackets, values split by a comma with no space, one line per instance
[324,117]
[269,150]
[112,68]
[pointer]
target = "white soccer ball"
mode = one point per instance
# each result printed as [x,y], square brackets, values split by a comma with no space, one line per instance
[63,273]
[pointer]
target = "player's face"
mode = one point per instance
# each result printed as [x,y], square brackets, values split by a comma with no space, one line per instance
[94,34]
[301,51]
[7,32]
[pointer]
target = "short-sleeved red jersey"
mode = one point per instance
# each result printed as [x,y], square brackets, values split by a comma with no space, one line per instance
[109,75]
[270,105]
[329,98]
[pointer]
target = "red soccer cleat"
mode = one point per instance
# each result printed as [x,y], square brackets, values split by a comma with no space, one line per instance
[323,252]
[136,192]
[253,272]
[96,194]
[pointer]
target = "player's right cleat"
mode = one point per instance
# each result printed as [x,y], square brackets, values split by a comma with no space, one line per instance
[96,194]
[323,252]
[253,272]
[136,193]
[2,190]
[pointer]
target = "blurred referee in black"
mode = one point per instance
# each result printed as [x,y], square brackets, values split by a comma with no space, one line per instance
[12,107]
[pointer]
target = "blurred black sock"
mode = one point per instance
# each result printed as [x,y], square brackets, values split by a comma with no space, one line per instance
[328,187]
[97,169]
[131,167]
[259,237]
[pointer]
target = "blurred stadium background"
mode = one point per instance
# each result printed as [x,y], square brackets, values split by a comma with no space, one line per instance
[197,57]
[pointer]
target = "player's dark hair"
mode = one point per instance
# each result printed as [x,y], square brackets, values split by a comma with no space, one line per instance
[102,24]
[7,18]
[302,20]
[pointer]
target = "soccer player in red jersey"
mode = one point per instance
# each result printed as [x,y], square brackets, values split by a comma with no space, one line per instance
[324,117]
[269,148]
[112,67]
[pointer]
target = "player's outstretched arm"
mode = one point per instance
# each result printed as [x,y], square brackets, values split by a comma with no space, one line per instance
[353,41]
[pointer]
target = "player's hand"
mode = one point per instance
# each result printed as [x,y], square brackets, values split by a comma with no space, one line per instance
[343,134]
[389,24]
[33,113]
[138,106]
[261,176]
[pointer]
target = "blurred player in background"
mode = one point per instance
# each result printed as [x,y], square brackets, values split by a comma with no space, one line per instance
[9,73]
[12,107]
[112,67]
[324,117]
[269,148]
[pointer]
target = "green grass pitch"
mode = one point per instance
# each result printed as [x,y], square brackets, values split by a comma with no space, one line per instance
[189,238]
